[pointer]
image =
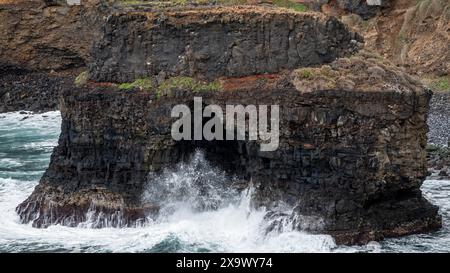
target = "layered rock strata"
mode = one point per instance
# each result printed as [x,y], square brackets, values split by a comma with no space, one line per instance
[215,42]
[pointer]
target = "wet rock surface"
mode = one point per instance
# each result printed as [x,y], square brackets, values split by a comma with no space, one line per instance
[439,136]
[438,162]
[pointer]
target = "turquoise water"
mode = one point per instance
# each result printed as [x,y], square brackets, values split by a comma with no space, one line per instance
[26,143]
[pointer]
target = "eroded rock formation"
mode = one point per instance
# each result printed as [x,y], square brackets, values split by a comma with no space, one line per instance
[352,129]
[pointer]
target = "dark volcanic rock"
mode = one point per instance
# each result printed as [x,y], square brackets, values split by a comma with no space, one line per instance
[38,38]
[364,8]
[31,91]
[438,161]
[351,158]
[439,119]
[214,42]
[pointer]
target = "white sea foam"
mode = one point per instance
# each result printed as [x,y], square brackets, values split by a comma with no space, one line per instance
[235,228]
[213,218]
[9,162]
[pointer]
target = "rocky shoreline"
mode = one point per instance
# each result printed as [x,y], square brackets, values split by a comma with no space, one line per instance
[438,162]
[439,136]
[439,119]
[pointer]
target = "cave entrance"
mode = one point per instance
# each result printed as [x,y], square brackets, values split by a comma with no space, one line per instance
[235,157]
[238,158]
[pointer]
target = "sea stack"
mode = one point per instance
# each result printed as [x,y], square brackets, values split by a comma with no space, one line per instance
[351,156]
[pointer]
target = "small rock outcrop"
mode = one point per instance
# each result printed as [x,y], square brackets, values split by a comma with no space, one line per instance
[365,8]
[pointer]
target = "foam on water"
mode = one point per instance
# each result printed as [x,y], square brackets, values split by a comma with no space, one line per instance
[234,227]
[222,221]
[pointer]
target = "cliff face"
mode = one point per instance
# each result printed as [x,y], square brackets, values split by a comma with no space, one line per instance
[215,42]
[35,91]
[351,156]
[39,38]
[36,36]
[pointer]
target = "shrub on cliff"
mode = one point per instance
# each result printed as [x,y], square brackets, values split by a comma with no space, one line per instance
[81,79]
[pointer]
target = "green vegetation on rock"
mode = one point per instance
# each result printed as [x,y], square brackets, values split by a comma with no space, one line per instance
[441,84]
[167,86]
[306,73]
[143,84]
[81,79]
[438,84]
[290,5]
[187,83]
[432,148]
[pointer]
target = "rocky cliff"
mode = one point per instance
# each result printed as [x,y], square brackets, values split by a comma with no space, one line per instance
[215,43]
[414,34]
[351,157]
[41,37]
[43,47]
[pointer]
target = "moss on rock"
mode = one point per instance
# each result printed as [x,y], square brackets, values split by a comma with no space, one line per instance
[142,84]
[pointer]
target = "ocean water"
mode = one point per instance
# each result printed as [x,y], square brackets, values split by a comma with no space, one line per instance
[219,221]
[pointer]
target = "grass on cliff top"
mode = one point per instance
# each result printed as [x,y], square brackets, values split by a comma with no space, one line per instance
[142,84]
[439,84]
[306,73]
[186,83]
[323,76]
[169,85]
[289,4]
